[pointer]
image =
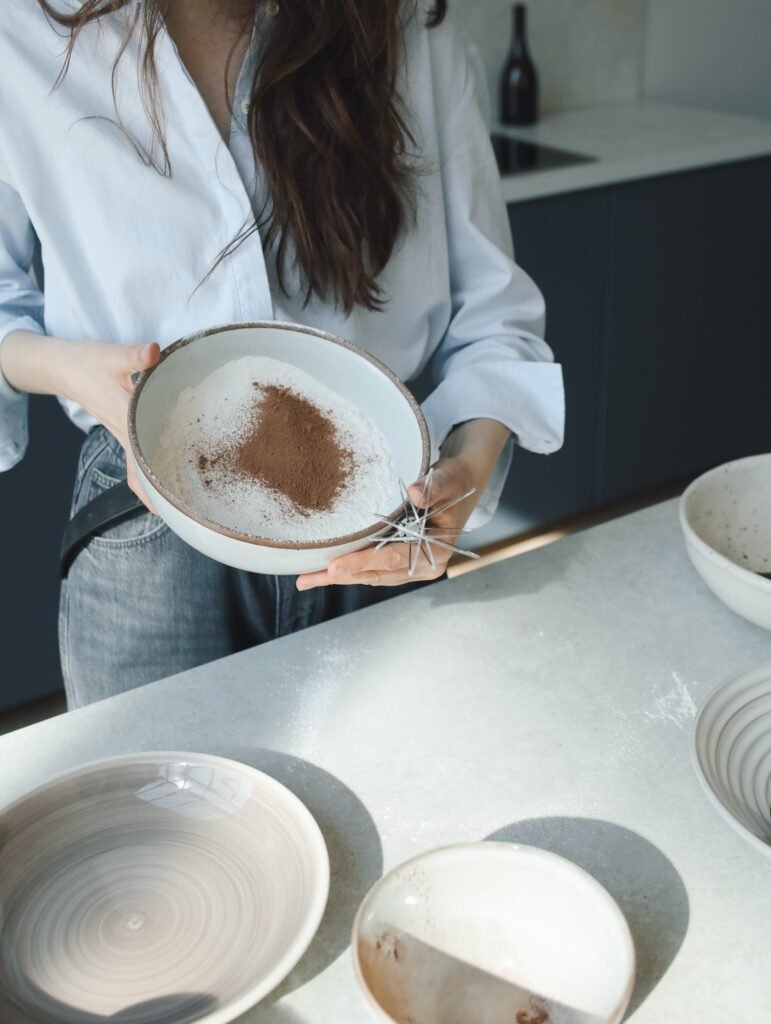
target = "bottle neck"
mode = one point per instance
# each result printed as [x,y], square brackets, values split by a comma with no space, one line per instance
[519,29]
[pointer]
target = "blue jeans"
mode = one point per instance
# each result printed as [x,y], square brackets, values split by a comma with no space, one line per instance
[139,604]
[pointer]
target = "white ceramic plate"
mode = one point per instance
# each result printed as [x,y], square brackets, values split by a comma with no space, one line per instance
[493,933]
[158,888]
[350,371]
[732,754]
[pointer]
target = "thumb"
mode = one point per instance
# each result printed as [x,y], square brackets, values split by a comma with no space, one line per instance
[437,486]
[139,357]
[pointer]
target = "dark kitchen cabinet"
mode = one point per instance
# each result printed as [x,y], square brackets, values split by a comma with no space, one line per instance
[687,339]
[34,505]
[562,242]
[656,295]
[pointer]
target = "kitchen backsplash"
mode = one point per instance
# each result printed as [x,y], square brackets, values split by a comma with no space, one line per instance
[587,52]
[709,53]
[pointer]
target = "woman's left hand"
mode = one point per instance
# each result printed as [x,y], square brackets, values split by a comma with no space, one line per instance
[388,566]
[469,455]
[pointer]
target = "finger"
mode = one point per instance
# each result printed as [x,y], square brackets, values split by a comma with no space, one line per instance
[142,497]
[137,489]
[390,557]
[325,577]
[135,358]
[115,416]
[391,579]
[142,357]
[384,577]
[445,484]
[310,580]
[134,483]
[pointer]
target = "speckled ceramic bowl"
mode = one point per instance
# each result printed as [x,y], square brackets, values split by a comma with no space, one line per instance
[493,933]
[725,516]
[350,371]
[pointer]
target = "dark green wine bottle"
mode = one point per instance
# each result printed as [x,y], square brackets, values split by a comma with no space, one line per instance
[519,81]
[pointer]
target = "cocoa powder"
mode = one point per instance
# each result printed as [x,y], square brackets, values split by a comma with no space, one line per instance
[289,446]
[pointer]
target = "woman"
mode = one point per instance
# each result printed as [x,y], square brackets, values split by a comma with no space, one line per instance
[186,163]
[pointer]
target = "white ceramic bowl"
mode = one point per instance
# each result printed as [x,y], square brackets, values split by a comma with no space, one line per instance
[350,371]
[732,754]
[725,516]
[492,933]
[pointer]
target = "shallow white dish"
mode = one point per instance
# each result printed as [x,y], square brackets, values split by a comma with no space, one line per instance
[732,754]
[155,888]
[350,371]
[725,516]
[493,933]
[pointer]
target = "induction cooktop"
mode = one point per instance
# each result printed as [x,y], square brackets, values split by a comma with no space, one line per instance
[518,156]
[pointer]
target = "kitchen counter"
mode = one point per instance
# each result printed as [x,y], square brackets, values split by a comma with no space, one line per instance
[547,699]
[635,140]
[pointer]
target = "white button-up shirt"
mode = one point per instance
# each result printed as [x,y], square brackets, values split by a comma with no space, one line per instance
[123,247]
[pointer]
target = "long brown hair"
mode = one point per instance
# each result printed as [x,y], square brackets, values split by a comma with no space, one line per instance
[327,126]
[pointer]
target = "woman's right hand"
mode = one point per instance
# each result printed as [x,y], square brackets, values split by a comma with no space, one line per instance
[99,378]
[97,375]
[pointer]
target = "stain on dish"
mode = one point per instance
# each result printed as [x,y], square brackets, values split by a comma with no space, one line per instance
[537,1013]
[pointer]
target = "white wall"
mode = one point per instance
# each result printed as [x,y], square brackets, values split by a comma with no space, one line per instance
[588,52]
[710,53]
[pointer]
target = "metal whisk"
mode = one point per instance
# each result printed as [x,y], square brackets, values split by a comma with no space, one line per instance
[413,527]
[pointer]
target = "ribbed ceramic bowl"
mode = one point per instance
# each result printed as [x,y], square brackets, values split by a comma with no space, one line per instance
[492,933]
[158,888]
[725,517]
[350,371]
[732,754]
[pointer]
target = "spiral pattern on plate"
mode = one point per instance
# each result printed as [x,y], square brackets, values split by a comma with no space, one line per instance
[732,752]
[157,888]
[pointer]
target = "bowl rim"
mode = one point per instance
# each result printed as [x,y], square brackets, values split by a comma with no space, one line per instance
[712,554]
[700,767]
[249,538]
[480,846]
[256,992]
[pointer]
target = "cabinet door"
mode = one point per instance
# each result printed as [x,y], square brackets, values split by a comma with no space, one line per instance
[562,241]
[687,333]
[34,504]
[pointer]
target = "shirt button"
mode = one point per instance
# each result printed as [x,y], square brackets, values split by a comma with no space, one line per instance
[244,106]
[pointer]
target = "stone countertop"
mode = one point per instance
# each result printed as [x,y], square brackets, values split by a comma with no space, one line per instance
[546,699]
[635,140]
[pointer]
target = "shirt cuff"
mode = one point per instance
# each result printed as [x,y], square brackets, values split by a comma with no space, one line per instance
[14,435]
[528,398]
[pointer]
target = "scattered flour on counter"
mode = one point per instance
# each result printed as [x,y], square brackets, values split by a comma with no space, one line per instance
[330,663]
[220,411]
[676,706]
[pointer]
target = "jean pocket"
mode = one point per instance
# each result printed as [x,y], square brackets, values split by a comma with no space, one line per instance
[105,469]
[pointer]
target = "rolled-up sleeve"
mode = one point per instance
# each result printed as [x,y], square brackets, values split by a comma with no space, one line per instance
[21,309]
[492,362]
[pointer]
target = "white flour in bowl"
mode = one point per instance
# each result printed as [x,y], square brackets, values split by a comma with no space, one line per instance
[263,448]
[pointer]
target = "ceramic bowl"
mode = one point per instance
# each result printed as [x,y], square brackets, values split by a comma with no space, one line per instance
[725,516]
[156,888]
[492,933]
[350,371]
[732,754]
